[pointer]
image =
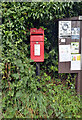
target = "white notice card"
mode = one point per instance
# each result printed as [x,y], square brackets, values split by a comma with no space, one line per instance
[74,47]
[37,49]
[64,53]
[75,62]
[64,28]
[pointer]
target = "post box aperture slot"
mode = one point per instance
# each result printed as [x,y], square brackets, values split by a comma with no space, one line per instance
[37,34]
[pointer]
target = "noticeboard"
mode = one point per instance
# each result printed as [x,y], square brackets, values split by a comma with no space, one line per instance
[70,48]
[69,43]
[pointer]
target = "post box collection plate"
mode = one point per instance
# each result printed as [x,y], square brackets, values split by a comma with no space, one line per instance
[36,49]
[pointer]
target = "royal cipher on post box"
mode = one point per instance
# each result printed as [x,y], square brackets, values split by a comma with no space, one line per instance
[37,44]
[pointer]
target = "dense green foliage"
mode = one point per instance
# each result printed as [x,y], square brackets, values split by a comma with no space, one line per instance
[23,96]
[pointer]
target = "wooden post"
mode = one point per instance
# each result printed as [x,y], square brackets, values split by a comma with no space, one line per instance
[79,80]
[76,82]
[79,92]
[81,59]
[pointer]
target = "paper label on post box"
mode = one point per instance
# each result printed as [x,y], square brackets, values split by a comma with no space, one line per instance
[37,49]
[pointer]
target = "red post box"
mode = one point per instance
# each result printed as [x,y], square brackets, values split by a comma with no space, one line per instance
[37,44]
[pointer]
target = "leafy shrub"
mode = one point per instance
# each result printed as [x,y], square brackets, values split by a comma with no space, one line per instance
[50,101]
